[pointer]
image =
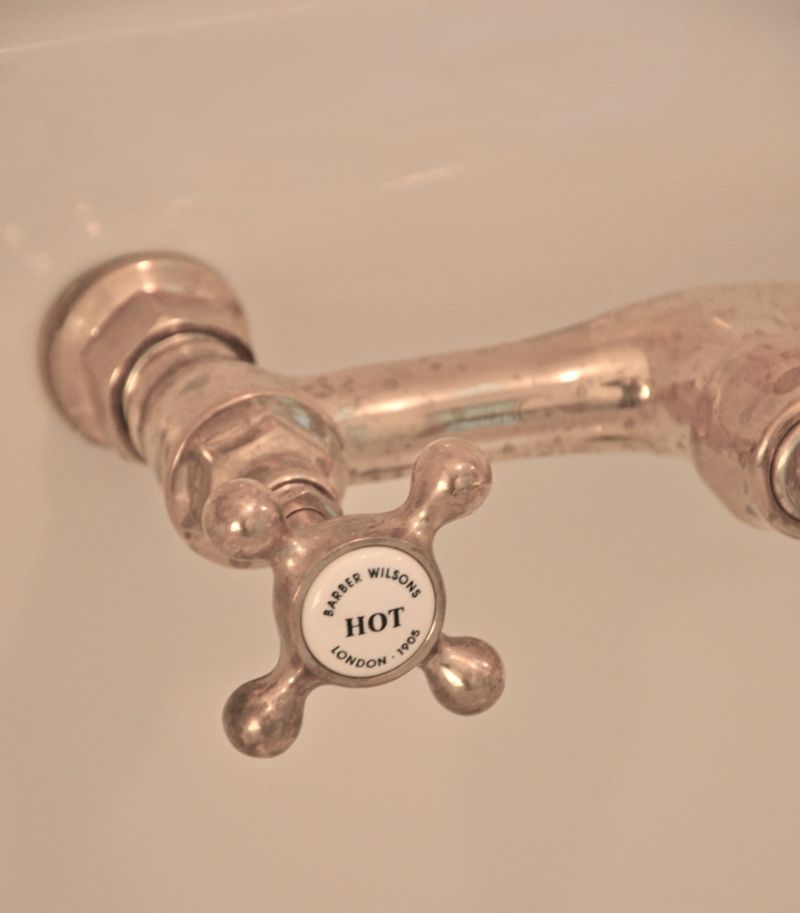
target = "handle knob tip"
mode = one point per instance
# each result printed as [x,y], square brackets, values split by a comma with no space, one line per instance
[262,718]
[241,520]
[465,674]
[451,479]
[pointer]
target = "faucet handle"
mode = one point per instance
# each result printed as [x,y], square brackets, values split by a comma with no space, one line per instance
[358,599]
[242,520]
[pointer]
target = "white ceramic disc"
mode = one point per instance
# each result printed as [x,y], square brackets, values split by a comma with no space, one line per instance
[368,611]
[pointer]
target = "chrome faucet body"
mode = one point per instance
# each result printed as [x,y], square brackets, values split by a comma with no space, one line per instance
[150,354]
[713,374]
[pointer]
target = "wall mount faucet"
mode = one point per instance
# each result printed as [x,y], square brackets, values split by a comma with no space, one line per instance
[150,354]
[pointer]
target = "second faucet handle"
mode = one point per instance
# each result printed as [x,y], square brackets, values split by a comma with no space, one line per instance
[358,599]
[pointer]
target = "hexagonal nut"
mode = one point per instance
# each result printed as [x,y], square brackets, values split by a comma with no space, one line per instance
[107,317]
[268,436]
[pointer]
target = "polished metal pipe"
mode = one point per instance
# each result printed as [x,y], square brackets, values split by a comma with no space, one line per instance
[555,394]
[150,354]
[712,374]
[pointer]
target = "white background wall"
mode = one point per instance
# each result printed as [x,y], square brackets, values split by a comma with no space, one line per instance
[380,180]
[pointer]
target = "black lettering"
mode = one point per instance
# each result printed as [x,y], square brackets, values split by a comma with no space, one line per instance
[359,622]
[328,611]
[396,574]
[396,614]
[373,572]
[372,622]
[357,578]
[356,661]
[415,593]
[403,579]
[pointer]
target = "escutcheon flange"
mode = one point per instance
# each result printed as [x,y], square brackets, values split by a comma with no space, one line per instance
[107,317]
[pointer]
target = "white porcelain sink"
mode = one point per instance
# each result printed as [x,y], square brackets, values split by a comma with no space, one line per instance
[380,180]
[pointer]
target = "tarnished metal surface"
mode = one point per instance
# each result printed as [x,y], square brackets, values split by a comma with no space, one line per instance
[104,320]
[711,374]
[253,465]
[451,479]
[252,470]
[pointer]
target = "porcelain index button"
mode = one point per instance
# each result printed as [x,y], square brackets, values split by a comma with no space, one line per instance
[368,611]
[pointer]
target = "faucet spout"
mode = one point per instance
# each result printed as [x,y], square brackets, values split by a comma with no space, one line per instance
[712,374]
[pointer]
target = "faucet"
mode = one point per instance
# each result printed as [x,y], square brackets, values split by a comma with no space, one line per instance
[150,354]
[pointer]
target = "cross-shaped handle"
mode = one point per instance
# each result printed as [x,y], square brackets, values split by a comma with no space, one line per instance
[358,599]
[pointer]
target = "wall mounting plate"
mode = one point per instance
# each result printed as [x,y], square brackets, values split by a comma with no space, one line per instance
[108,316]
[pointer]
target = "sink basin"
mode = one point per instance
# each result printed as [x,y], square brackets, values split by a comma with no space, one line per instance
[380,181]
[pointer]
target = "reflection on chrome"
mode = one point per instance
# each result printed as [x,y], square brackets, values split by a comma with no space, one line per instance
[150,354]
